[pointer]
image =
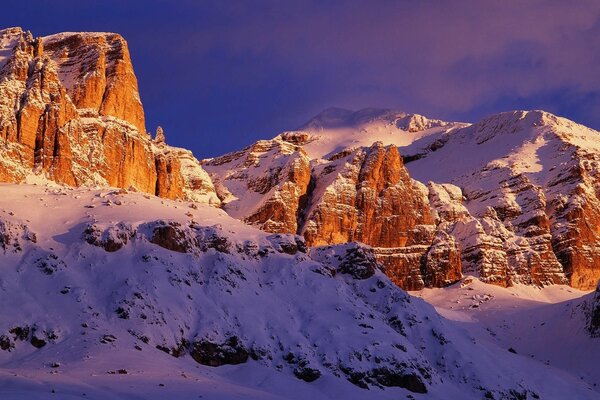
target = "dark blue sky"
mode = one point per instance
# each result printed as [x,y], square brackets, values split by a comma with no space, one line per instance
[218,75]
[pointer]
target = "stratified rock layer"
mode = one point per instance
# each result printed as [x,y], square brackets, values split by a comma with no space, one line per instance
[363,195]
[511,199]
[70,111]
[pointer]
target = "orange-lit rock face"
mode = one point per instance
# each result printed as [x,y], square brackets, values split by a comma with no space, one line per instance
[70,110]
[366,196]
[264,184]
[96,69]
[528,214]
[363,195]
[575,221]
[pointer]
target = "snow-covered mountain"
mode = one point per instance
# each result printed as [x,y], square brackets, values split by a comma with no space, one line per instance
[513,198]
[117,295]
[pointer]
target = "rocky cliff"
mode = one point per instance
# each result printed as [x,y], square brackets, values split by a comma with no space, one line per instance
[511,199]
[362,194]
[70,111]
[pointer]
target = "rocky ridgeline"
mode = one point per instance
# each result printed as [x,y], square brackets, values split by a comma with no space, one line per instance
[502,217]
[70,111]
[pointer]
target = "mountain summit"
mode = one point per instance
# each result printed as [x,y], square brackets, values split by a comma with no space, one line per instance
[511,198]
[70,111]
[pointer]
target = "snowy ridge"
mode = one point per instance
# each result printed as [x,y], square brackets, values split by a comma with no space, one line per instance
[104,297]
[8,40]
[335,130]
[516,202]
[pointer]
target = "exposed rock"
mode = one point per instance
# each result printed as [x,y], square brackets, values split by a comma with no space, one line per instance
[366,196]
[264,184]
[97,72]
[171,236]
[216,354]
[306,373]
[358,262]
[6,344]
[289,244]
[410,381]
[13,236]
[593,320]
[159,137]
[111,239]
[70,110]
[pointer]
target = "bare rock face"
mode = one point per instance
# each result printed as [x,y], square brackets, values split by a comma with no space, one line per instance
[529,200]
[358,195]
[488,248]
[366,196]
[593,317]
[512,199]
[70,111]
[264,184]
[97,72]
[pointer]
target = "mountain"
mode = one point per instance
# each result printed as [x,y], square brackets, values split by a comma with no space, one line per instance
[104,289]
[359,193]
[129,269]
[70,112]
[513,198]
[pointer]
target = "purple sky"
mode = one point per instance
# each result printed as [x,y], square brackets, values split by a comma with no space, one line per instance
[218,75]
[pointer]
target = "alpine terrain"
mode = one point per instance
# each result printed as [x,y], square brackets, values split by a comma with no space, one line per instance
[129,269]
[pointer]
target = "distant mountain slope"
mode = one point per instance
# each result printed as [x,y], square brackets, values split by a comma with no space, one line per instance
[538,175]
[110,293]
[336,129]
[513,198]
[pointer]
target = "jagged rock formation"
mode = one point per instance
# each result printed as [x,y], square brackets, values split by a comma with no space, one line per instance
[362,194]
[70,111]
[513,198]
[264,184]
[366,195]
[531,183]
[593,319]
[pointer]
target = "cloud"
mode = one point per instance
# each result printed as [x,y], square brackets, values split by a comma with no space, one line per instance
[447,56]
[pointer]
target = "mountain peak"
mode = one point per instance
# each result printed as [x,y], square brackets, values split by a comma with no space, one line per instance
[335,117]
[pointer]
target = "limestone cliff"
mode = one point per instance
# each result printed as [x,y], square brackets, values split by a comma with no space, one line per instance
[70,111]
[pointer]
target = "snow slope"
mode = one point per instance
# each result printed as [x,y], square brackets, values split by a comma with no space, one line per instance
[545,324]
[115,294]
[337,129]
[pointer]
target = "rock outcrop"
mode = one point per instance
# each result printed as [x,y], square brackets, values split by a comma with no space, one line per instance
[530,193]
[511,199]
[363,195]
[264,184]
[70,111]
